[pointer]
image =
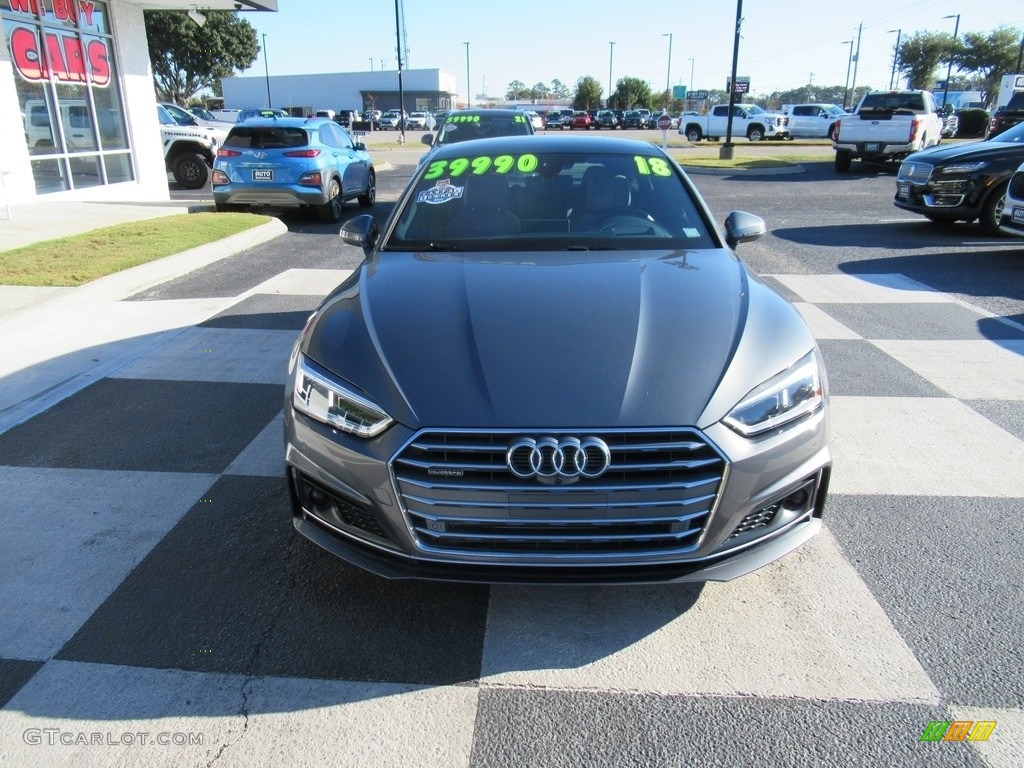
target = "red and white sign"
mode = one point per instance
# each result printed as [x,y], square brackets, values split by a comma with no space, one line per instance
[664,122]
[65,57]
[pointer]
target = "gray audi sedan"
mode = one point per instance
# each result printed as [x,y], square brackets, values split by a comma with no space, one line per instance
[551,367]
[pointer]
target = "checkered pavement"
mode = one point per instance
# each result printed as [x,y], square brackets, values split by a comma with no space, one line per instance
[152,587]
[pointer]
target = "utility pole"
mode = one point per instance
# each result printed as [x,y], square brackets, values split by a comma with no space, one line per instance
[856,61]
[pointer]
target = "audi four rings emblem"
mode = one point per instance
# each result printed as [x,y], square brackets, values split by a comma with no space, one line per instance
[554,457]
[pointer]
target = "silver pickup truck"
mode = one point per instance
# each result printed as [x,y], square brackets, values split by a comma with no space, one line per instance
[887,126]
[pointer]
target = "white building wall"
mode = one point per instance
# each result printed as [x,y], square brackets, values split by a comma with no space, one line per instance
[14,165]
[136,83]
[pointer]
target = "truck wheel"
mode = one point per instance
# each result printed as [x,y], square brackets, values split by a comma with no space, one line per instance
[755,133]
[693,134]
[190,170]
[833,132]
[331,210]
[992,211]
[843,160]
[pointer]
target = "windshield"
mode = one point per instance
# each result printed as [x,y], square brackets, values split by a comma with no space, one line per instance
[549,201]
[753,109]
[1014,135]
[266,137]
[464,126]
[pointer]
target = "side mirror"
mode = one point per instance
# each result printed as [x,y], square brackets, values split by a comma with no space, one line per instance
[741,227]
[428,139]
[361,231]
[359,146]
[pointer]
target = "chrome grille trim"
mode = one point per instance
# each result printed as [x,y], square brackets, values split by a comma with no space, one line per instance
[655,498]
[919,173]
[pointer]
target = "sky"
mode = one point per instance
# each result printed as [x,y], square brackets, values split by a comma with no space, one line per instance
[783,45]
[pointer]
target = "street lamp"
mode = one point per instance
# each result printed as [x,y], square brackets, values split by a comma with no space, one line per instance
[266,68]
[668,74]
[691,74]
[469,88]
[895,55]
[949,69]
[611,53]
[849,63]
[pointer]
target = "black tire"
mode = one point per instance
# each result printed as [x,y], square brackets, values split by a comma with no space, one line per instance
[693,134]
[992,210]
[330,211]
[190,170]
[833,132]
[755,133]
[843,161]
[367,199]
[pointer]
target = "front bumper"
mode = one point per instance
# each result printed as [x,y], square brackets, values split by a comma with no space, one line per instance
[347,497]
[955,199]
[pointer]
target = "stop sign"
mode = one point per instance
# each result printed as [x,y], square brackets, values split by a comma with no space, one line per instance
[664,122]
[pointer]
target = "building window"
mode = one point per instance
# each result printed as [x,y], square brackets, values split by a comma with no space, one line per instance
[65,73]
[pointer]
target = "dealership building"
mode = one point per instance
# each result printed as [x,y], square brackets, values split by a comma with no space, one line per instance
[78,118]
[423,90]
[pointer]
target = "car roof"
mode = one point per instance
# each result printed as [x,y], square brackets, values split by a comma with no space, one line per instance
[541,143]
[286,122]
[494,112]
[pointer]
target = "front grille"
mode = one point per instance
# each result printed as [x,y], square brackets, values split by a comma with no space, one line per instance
[918,173]
[1016,189]
[656,496]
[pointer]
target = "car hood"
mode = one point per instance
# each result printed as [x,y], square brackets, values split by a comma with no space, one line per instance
[442,340]
[942,153]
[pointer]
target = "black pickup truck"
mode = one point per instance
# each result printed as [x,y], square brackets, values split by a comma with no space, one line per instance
[1008,116]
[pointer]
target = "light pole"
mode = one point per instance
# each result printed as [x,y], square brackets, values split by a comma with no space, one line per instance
[949,69]
[371,63]
[668,74]
[895,55]
[611,54]
[266,68]
[469,88]
[726,152]
[849,63]
[691,73]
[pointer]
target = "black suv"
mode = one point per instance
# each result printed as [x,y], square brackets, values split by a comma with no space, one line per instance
[961,182]
[637,118]
[606,119]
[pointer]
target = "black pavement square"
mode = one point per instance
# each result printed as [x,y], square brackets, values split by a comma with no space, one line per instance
[614,729]
[146,425]
[194,604]
[921,322]
[860,369]
[1008,414]
[14,674]
[947,572]
[268,312]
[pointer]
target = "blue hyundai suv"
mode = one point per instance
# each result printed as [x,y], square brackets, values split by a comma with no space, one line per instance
[293,161]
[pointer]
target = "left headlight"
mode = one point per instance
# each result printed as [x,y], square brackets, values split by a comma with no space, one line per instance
[964,167]
[324,398]
[785,397]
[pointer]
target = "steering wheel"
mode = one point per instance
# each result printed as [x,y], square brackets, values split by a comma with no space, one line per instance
[631,226]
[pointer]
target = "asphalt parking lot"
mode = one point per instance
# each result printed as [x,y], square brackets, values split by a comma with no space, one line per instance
[152,583]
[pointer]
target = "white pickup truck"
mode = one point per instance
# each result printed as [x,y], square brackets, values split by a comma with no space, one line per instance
[887,126]
[747,120]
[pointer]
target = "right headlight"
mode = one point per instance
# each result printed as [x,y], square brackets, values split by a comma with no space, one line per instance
[322,397]
[785,397]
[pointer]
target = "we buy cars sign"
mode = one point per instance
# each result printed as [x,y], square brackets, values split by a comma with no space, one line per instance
[66,57]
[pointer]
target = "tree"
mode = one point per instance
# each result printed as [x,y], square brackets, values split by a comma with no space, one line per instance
[559,90]
[187,58]
[517,91]
[632,92]
[588,93]
[989,56]
[920,56]
[539,91]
